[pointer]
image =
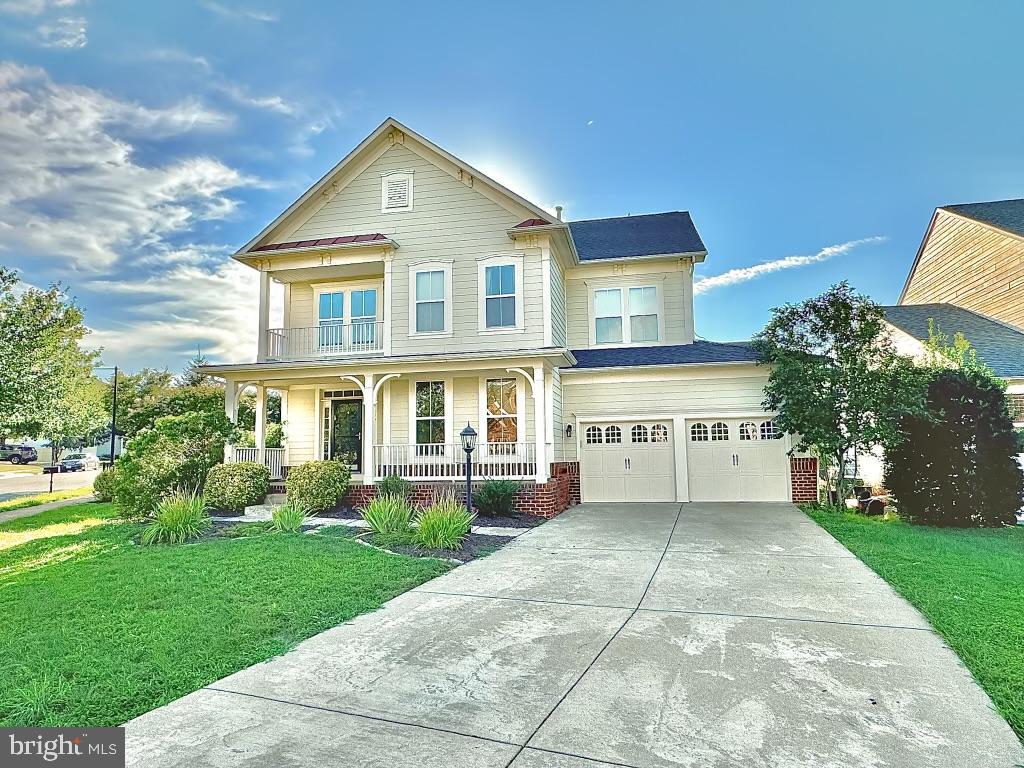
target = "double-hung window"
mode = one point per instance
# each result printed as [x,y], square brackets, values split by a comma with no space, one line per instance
[430,300]
[429,418]
[612,306]
[364,317]
[502,416]
[500,296]
[331,318]
[643,314]
[608,315]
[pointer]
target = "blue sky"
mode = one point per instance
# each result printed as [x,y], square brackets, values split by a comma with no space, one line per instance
[141,143]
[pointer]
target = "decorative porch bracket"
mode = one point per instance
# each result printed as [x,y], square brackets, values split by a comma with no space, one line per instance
[537,386]
[369,389]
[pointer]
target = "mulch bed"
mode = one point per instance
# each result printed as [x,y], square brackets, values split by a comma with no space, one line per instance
[473,546]
[512,521]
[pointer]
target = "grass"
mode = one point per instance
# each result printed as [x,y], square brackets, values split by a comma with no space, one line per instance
[968,583]
[97,629]
[44,498]
[6,466]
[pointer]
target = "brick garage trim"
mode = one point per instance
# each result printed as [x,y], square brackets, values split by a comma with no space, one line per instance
[804,479]
[1016,402]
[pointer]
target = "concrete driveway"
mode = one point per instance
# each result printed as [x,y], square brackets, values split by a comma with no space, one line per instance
[628,635]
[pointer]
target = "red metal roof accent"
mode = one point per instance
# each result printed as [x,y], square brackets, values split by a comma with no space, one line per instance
[343,240]
[531,223]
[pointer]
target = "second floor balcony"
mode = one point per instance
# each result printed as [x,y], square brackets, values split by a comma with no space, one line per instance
[325,340]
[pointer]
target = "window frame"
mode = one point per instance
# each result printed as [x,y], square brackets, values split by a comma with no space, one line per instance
[520,417]
[449,416]
[346,289]
[626,313]
[445,266]
[404,175]
[518,262]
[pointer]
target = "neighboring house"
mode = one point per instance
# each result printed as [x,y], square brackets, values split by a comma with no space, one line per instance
[972,256]
[1000,346]
[420,295]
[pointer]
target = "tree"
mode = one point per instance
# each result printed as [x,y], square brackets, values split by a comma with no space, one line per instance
[836,381]
[957,466]
[136,392]
[42,366]
[79,418]
[193,375]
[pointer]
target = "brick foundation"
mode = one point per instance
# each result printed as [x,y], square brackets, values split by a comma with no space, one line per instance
[570,469]
[1016,403]
[804,479]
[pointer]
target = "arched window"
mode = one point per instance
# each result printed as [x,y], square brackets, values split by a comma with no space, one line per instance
[699,432]
[659,433]
[613,435]
[748,431]
[719,431]
[639,433]
[594,435]
[769,431]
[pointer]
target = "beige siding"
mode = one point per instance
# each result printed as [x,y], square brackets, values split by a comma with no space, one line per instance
[301,312]
[722,390]
[450,221]
[400,431]
[970,265]
[301,429]
[558,439]
[671,280]
[558,312]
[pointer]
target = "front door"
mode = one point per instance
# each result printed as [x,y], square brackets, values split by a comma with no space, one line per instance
[347,431]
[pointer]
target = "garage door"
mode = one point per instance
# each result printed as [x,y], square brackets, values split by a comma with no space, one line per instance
[628,461]
[736,460]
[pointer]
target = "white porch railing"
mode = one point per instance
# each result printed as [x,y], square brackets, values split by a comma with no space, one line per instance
[446,461]
[325,340]
[273,458]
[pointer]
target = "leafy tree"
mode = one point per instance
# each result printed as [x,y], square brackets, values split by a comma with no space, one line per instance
[957,466]
[247,409]
[836,381]
[78,419]
[136,392]
[41,363]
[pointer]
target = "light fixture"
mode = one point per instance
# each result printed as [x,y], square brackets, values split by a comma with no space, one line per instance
[568,430]
[468,436]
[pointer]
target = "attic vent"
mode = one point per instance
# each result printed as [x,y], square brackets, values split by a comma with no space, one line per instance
[396,191]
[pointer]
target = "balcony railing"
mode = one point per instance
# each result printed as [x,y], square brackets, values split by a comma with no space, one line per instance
[325,340]
[446,461]
[273,458]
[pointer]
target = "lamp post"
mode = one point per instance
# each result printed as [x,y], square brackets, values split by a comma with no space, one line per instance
[468,436]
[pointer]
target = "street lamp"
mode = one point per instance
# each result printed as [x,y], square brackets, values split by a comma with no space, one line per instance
[468,436]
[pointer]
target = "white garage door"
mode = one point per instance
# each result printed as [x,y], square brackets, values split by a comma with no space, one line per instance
[628,461]
[736,460]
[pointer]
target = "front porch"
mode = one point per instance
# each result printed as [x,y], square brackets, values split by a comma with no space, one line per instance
[406,423]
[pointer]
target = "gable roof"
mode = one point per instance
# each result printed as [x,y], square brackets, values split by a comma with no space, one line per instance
[653,234]
[321,242]
[999,346]
[1007,215]
[388,125]
[697,353]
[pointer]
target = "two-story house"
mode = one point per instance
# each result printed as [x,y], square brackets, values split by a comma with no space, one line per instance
[421,296]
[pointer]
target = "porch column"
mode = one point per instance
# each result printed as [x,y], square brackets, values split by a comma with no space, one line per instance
[231,411]
[386,299]
[264,317]
[540,423]
[261,424]
[369,427]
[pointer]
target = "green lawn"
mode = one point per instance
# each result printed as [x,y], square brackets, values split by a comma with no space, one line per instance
[21,502]
[96,629]
[969,583]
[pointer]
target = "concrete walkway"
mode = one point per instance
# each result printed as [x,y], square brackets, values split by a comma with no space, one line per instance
[628,635]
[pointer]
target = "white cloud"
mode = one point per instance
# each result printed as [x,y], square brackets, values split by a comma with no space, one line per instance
[73,190]
[744,274]
[64,32]
[237,12]
[176,56]
[270,102]
[33,7]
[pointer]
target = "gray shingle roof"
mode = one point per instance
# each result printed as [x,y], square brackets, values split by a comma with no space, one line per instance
[646,235]
[673,354]
[1005,214]
[998,345]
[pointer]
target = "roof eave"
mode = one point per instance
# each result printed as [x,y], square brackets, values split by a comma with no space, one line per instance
[653,365]
[695,256]
[250,256]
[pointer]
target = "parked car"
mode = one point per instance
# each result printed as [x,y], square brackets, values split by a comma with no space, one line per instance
[18,454]
[79,462]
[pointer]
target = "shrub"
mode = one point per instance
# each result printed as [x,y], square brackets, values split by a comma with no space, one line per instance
[393,485]
[178,517]
[318,485]
[103,485]
[235,486]
[289,518]
[496,497]
[957,466]
[444,524]
[388,515]
[176,454]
